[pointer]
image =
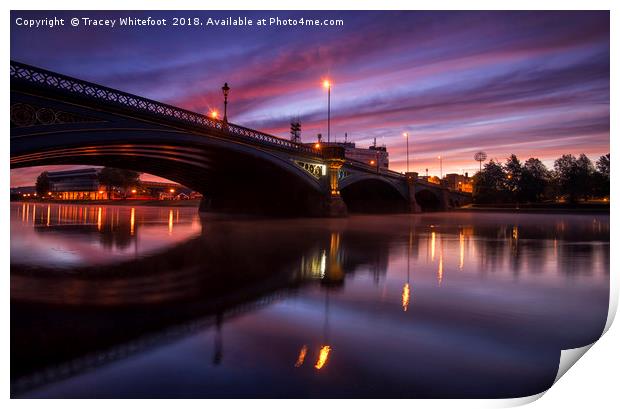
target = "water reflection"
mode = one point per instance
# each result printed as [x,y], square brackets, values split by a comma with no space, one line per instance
[72,235]
[315,296]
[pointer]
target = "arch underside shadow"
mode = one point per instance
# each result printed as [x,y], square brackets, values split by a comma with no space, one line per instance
[232,180]
[428,200]
[373,195]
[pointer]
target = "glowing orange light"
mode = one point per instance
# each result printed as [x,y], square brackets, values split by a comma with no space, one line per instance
[171,190]
[101,192]
[326,84]
[440,270]
[49,193]
[405,134]
[323,356]
[132,221]
[372,162]
[317,145]
[99,210]
[406,294]
[214,114]
[302,356]
[133,190]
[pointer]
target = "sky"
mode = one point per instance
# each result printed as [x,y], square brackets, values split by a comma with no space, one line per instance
[535,84]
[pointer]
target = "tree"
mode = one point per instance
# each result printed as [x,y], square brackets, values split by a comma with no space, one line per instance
[514,172]
[535,180]
[490,184]
[574,176]
[43,184]
[118,178]
[601,176]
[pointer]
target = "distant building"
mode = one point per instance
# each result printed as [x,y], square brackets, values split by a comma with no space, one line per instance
[23,192]
[79,184]
[462,183]
[167,191]
[372,155]
[83,184]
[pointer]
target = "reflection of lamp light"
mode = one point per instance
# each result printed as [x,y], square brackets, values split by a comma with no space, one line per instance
[405,297]
[323,356]
[302,356]
[406,289]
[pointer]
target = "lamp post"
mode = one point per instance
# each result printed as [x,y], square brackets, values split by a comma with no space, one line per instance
[225,90]
[328,85]
[406,135]
[440,168]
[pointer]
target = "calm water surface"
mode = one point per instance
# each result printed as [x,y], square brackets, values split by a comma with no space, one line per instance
[161,302]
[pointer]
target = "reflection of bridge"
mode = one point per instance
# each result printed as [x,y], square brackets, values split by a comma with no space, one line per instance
[57,119]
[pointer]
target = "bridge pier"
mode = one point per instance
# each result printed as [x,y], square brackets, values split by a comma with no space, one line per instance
[412,203]
[334,206]
[444,198]
[205,205]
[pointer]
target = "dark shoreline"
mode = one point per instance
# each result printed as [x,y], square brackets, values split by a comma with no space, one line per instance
[137,202]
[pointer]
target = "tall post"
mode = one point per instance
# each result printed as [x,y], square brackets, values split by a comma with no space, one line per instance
[225,90]
[440,168]
[329,92]
[406,134]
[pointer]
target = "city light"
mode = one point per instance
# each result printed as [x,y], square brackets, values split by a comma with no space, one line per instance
[326,84]
[317,145]
[133,190]
[302,356]
[214,114]
[323,356]
[372,162]
[171,190]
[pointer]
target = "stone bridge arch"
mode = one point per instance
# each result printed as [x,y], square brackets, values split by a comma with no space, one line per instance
[369,193]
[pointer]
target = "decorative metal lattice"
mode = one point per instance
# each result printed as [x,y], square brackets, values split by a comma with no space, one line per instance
[315,169]
[23,115]
[37,76]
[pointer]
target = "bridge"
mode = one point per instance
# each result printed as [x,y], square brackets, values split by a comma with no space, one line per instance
[57,119]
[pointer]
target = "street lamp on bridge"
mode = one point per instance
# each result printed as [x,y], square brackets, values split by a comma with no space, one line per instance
[225,90]
[406,135]
[328,85]
[440,167]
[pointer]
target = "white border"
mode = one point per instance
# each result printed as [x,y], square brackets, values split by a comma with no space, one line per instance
[593,381]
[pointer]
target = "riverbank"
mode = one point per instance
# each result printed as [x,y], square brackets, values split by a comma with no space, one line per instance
[583,208]
[127,202]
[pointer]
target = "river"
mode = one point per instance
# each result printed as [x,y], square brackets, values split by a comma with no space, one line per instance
[163,302]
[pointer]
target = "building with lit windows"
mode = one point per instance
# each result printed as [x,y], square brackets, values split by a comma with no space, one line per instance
[78,184]
[462,183]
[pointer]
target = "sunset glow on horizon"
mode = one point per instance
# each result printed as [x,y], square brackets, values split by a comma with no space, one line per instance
[535,84]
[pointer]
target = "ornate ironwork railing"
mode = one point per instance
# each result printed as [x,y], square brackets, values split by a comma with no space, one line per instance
[49,79]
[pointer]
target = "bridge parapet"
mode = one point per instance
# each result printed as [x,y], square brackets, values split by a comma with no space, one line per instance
[29,75]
